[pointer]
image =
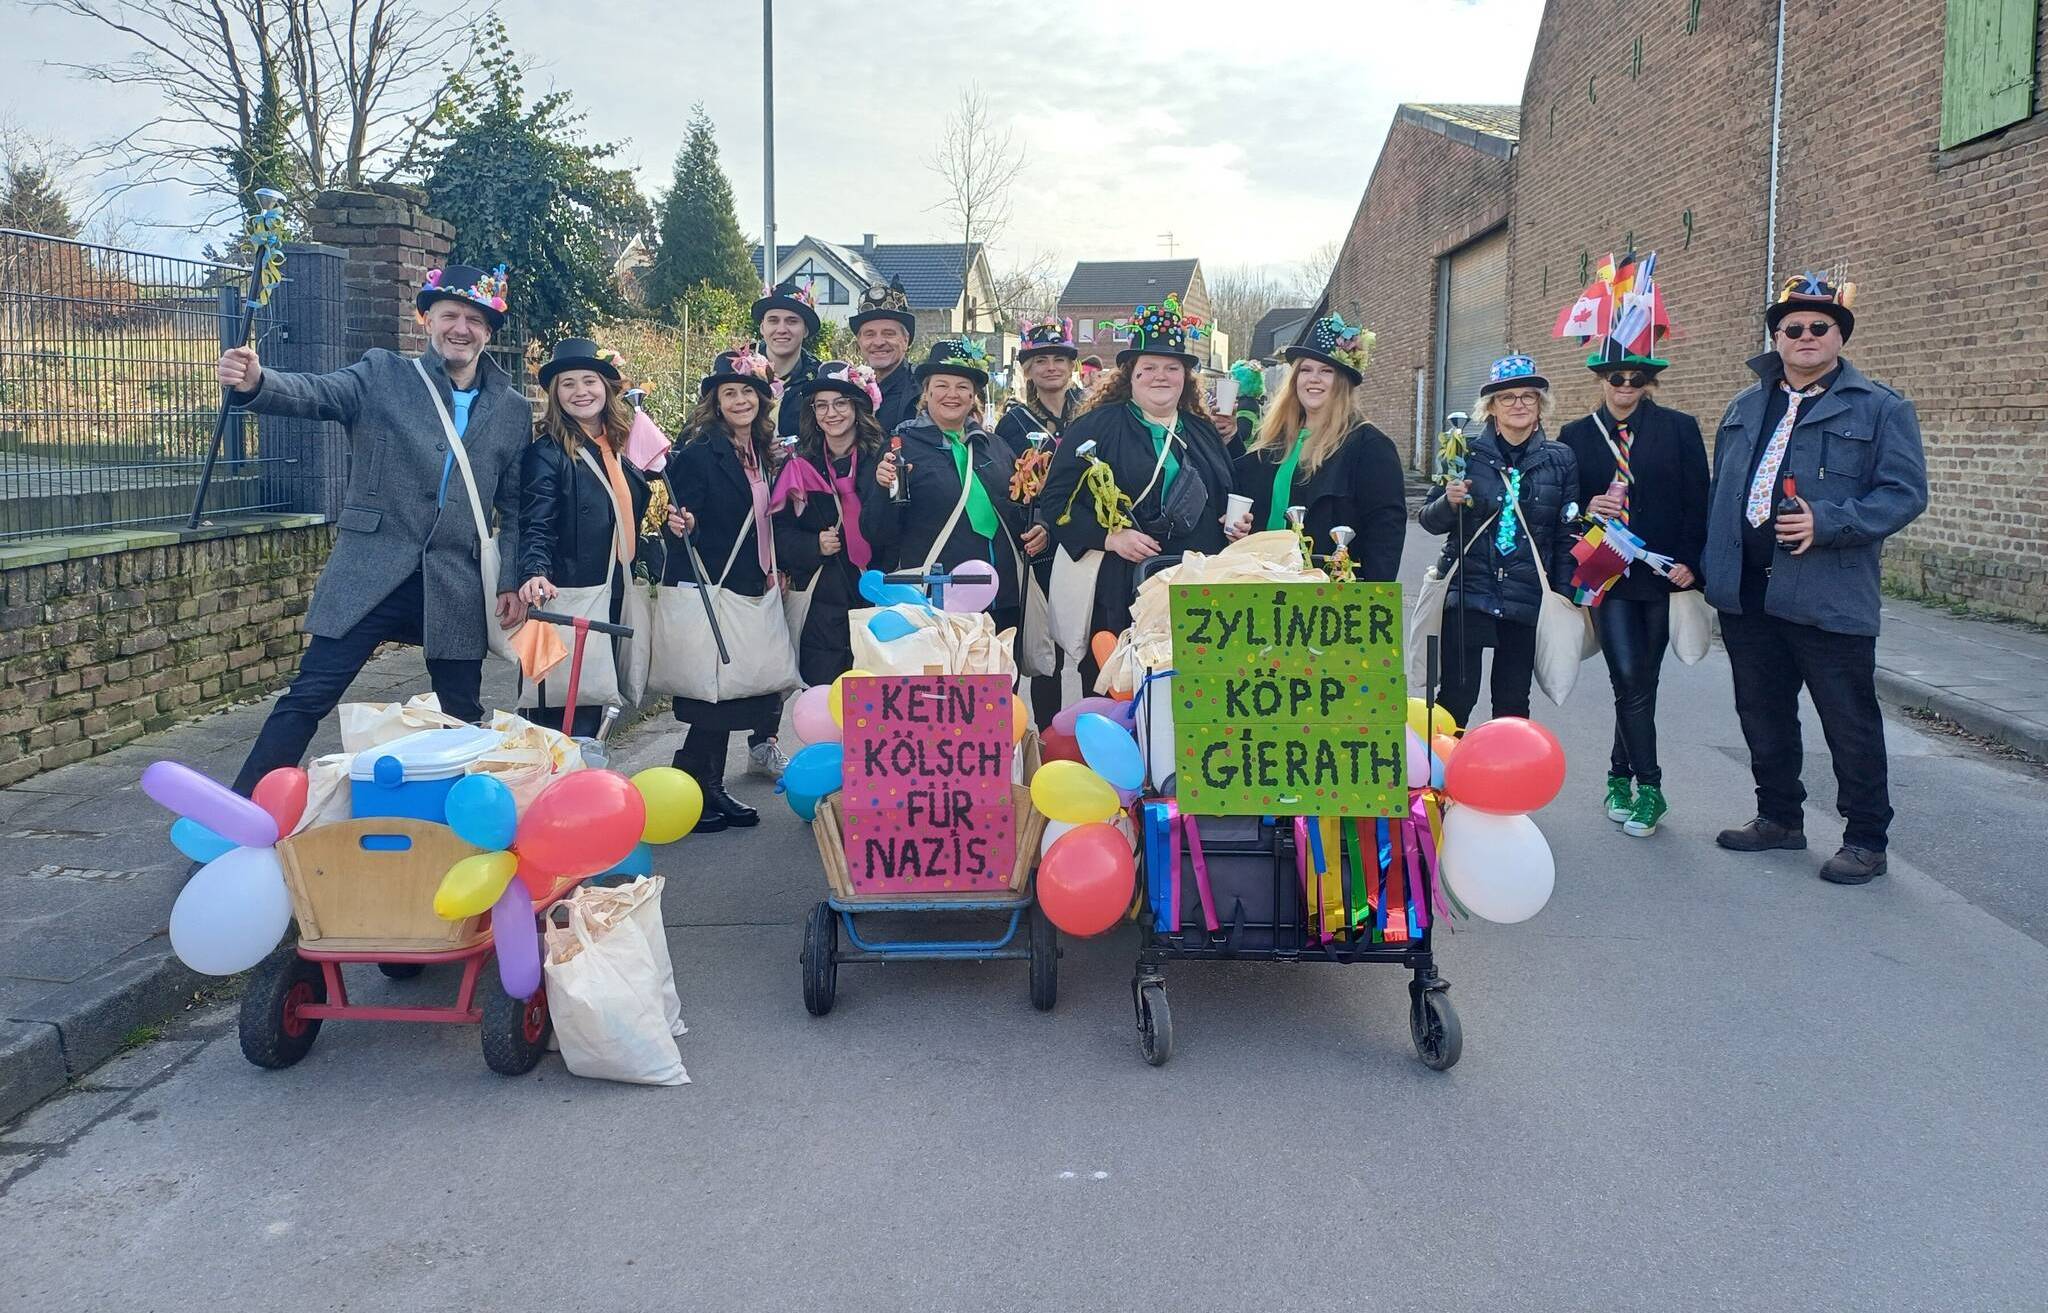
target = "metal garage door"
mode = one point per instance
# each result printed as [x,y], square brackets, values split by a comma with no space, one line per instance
[1471,319]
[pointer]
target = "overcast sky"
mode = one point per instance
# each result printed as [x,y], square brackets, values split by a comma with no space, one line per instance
[1246,131]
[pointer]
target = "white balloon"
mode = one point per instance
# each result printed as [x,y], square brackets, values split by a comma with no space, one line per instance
[1053,831]
[1499,867]
[232,913]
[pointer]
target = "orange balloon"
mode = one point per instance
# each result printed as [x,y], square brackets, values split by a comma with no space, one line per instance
[1121,694]
[1102,645]
[1020,720]
[1443,745]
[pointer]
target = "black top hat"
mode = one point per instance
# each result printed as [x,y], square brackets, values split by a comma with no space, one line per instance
[856,381]
[1814,292]
[579,353]
[890,302]
[1050,336]
[962,359]
[1611,356]
[788,296]
[1159,330]
[485,291]
[745,365]
[1345,347]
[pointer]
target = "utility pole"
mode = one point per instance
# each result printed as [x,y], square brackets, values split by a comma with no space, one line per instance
[768,142]
[1170,244]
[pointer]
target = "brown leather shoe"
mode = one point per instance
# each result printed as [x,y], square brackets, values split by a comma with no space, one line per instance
[1853,866]
[1761,835]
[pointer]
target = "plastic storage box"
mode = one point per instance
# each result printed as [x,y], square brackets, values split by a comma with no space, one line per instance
[412,776]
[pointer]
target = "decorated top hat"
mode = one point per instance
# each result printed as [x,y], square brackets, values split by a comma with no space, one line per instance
[961,359]
[744,365]
[1159,330]
[1513,372]
[891,302]
[1049,336]
[580,353]
[485,291]
[1814,292]
[856,381]
[788,296]
[1346,347]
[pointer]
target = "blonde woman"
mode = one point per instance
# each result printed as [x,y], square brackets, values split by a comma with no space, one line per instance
[1313,451]
[1518,483]
[580,502]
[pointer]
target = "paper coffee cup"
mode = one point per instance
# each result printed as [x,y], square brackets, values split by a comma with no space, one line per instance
[1236,508]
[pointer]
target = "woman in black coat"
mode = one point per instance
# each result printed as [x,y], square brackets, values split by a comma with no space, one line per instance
[1311,452]
[719,480]
[1663,501]
[580,503]
[1496,597]
[926,460]
[819,543]
[1148,423]
[1048,403]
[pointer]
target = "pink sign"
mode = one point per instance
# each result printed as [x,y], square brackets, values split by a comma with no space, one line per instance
[927,798]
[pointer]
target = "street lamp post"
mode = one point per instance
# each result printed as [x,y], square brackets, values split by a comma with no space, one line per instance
[768,142]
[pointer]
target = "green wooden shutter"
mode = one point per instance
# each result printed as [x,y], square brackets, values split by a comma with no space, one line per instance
[1987,67]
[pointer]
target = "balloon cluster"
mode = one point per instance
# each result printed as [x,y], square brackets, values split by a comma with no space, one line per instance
[1495,862]
[1092,770]
[235,908]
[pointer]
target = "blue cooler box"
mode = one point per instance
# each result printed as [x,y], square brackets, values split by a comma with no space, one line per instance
[412,776]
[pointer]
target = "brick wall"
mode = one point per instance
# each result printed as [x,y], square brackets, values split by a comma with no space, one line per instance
[391,243]
[97,650]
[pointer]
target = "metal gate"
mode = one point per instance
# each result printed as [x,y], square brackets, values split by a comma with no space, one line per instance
[1471,320]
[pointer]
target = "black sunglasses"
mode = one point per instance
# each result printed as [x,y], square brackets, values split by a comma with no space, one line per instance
[1629,380]
[1819,328]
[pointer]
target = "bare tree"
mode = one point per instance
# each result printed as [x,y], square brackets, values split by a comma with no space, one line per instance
[977,164]
[303,94]
[1311,274]
[1030,286]
[1240,296]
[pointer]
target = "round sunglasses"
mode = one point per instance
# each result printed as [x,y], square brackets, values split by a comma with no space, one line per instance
[1819,328]
[1626,380]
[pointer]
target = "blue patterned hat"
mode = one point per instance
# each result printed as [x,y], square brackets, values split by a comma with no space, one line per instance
[1513,372]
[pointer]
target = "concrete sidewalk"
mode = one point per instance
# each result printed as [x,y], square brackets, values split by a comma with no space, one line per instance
[1989,678]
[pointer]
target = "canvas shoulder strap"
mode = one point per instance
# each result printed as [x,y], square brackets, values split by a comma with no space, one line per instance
[476,505]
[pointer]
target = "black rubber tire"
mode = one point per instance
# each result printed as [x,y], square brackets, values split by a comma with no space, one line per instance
[272,1034]
[1155,1025]
[515,1030]
[1433,1025]
[1045,961]
[401,970]
[821,969]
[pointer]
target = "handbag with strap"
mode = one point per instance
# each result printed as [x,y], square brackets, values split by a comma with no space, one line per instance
[496,637]
[1693,624]
[1426,621]
[684,658]
[604,679]
[1565,636]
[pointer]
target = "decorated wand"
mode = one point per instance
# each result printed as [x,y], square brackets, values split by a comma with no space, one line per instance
[266,238]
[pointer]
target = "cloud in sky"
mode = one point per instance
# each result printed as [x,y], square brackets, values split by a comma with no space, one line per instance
[1246,132]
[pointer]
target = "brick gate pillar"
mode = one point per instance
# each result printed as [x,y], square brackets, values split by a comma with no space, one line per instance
[391,242]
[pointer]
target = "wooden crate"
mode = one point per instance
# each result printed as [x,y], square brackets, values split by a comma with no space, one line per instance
[828,831]
[356,899]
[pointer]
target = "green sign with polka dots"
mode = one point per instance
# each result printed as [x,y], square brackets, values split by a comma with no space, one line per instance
[1289,699]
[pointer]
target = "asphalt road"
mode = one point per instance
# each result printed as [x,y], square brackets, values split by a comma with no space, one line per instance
[1696,1080]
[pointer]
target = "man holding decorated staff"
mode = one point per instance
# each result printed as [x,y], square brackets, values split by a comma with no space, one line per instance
[786,318]
[883,329]
[405,563]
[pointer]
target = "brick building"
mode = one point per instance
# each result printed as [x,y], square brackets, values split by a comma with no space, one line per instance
[1909,157]
[1100,290]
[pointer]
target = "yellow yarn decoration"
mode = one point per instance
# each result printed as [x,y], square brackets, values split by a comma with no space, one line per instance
[1112,506]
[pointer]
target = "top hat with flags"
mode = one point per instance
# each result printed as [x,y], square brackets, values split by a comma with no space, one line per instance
[890,303]
[787,295]
[1050,336]
[462,282]
[1814,292]
[1159,330]
[1334,342]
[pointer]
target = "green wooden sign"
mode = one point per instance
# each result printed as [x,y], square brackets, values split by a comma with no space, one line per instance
[1289,699]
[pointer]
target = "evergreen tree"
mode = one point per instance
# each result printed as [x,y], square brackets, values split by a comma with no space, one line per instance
[31,201]
[266,157]
[523,188]
[700,235]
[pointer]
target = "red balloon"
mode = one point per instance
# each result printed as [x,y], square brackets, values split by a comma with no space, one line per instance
[282,793]
[1055,746]
[584,823]
[1086,879]
[1507,766]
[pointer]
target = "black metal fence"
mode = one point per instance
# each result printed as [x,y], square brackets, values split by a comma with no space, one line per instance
[108,394]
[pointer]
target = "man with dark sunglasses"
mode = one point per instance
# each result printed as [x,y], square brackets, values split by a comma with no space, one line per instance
[1815,466]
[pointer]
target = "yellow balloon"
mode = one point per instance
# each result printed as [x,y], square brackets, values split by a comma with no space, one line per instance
[1069,791]
[839,693]
[1426,725]
[675,803]
[473,884]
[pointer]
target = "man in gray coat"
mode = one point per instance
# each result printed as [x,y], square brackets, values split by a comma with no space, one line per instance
[1814,467]
[405,563]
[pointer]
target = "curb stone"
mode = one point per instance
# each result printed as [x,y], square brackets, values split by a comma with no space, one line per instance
[1979,718]
[76,1027]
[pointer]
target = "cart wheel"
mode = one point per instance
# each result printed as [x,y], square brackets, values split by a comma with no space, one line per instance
[821,969]
[273,1033]
[515,1031]
[1155,1025]
[401,970]
[1433,1024]
[1045,961]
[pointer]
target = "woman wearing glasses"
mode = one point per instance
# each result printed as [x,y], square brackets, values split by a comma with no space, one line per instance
[1645,466]
[1511,507]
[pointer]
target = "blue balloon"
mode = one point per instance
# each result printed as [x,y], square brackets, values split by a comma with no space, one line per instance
[874,586]
[1110,751]
[803,804]
[196,841]
[889,626]
[482,812]
[816,771]
[638,862]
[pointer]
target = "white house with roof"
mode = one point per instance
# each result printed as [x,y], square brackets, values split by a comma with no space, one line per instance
[950,287]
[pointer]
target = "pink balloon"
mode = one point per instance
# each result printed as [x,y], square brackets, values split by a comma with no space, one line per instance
[220,809]
[1418,761]
[811,715]
[973,587]
[1065,720]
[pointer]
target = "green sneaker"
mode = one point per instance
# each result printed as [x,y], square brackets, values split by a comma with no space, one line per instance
[1621,797]
[1649,809]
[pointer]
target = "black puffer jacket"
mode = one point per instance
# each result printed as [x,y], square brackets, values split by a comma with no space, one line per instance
[1508,587]
[565,516]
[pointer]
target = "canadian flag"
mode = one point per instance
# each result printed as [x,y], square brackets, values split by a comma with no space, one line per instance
[1587,316]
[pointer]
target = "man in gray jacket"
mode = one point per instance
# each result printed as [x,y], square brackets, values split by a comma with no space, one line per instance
[1814,467]
[405,563]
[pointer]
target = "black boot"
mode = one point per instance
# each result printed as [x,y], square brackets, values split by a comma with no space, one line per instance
[735,813]
[712,820]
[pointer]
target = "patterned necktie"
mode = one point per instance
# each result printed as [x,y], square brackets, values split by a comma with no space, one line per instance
[1504,535]
[1759,508]
[1621,470]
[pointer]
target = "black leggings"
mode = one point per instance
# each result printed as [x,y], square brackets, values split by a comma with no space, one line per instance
[1514,664]
[1634,631]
